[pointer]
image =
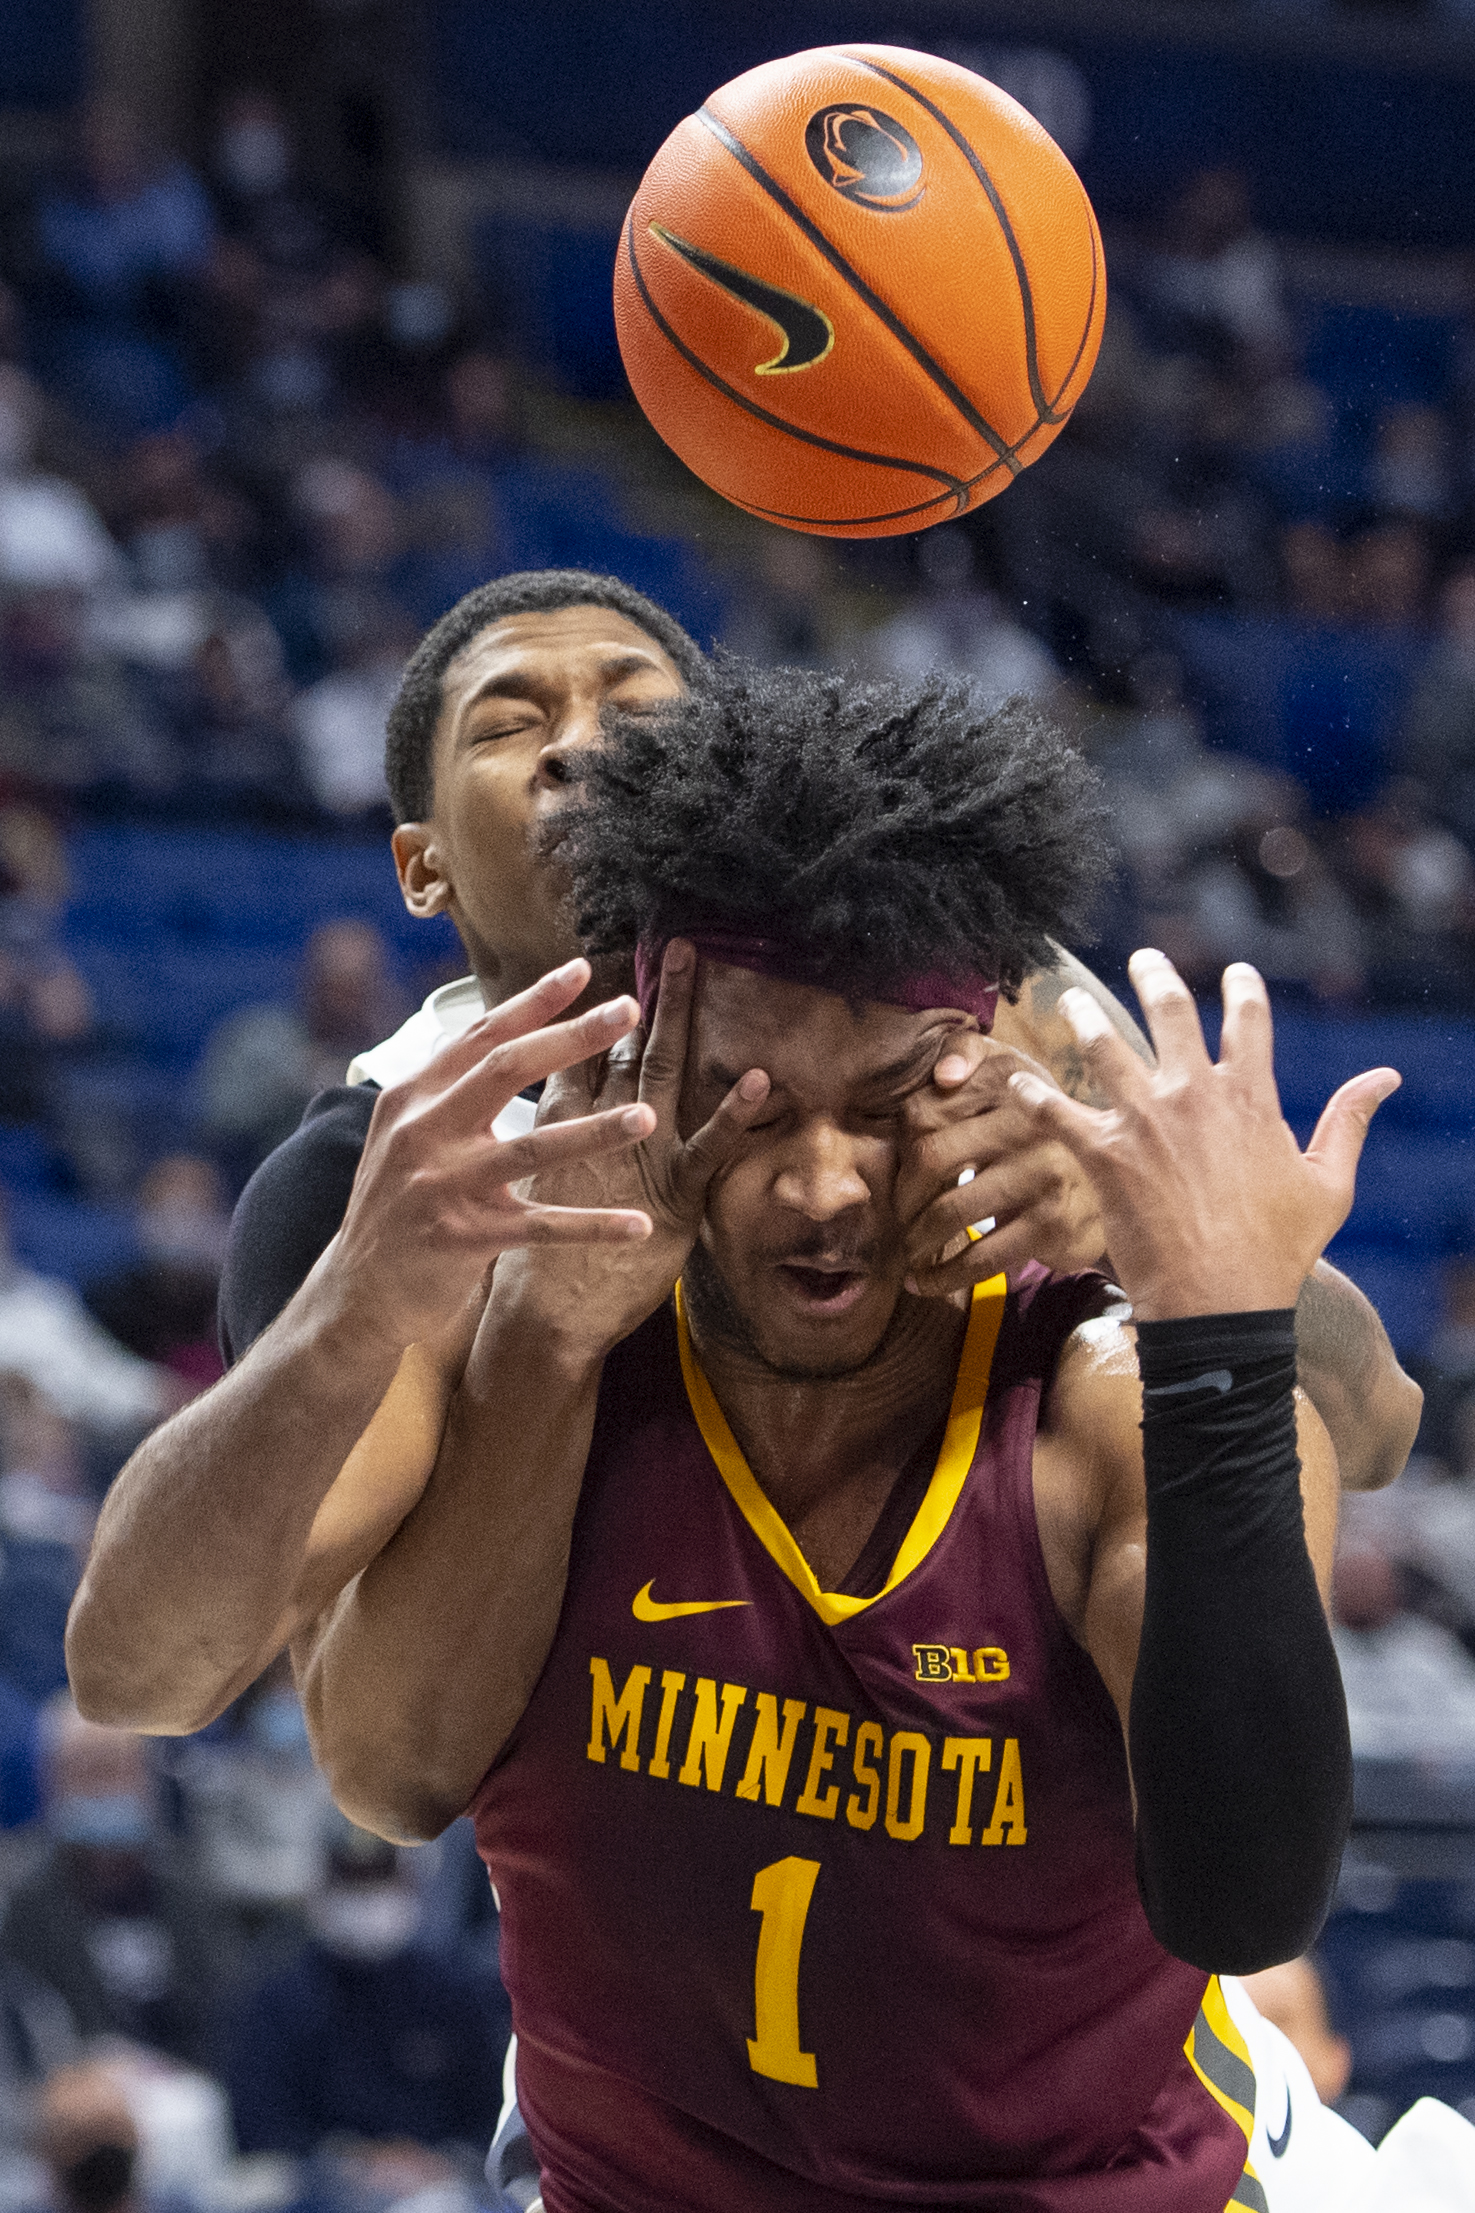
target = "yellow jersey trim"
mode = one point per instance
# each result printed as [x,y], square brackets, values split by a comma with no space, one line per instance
[960,1443]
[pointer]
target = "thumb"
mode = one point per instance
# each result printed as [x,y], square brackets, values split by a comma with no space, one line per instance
[1337,1140]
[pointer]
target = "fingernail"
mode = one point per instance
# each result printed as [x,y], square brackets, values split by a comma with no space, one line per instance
[637,1120]
[637,1226]
[753,1086]
[569,970]
[909,1283]
[618,1014]
[678,955]
[1028,1087]
[953,1069]
[1082,1013]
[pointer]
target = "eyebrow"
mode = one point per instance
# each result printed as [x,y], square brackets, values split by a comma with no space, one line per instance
[517,684]
[892,1077]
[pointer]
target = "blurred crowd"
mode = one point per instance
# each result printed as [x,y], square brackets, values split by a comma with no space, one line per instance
[242,466]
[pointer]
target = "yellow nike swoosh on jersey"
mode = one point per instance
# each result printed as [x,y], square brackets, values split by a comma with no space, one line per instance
[646,1608]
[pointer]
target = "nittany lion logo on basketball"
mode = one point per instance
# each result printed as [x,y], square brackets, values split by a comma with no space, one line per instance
[866,156]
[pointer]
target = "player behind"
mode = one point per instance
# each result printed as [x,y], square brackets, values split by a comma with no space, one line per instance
[234,1523]
[803,1770]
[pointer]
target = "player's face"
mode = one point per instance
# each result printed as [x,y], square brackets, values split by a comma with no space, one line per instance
[801,1251]
[518,705]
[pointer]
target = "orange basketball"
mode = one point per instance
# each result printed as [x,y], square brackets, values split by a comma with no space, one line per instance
[859,290]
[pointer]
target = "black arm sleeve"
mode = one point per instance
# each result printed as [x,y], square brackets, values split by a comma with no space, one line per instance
[1239,1744]
[288,1213]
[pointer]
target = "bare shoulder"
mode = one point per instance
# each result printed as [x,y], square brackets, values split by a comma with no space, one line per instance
[1035,1024]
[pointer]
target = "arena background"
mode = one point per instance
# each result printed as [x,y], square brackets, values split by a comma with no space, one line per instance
[304,330]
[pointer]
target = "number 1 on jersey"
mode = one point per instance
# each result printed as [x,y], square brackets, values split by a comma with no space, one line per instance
[781,1893]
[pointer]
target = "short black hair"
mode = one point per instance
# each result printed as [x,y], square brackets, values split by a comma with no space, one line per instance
[887,829]
[410,731]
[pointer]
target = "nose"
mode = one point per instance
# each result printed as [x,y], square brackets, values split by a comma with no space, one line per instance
[821,1176]
[576,727]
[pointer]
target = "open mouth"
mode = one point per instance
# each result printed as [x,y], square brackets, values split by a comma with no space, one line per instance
[823,1290]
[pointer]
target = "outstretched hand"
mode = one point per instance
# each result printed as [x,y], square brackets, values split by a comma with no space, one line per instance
[434,1202]
[595,1298]
[1209,1204]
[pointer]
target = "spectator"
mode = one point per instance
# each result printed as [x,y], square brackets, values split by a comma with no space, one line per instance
[1437,740]
[1413,885]
[1411,472]
[326,607]
[51,536]
[122,244]
[234,751]
[36,2037]
[45,1005]
[1217,284]
[163,1307]
[46,1518]
[1410,1683]
[48,1336]
[1314,568]
[256,1809]
[955,626]
[107,1920]
[1263,893]
[259,198]
[262,1065]
[340,719]
[1447,1373]
[367,2032]
[1388,569]
[88,2138]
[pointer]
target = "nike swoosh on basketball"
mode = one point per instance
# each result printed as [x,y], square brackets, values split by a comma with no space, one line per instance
[807,332]
[646,1608]
[1217,1379]
[1278,2143]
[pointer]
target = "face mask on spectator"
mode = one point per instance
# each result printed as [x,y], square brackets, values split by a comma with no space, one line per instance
[102,2178]
[116,1820]
[364,1921]
[185,1234]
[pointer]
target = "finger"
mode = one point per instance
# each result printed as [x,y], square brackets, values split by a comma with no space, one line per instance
[510,1068]
[532,1009]
[578,1225]
[1248,1035]
[620,1076]
[1169,1011]
[959,1057]
[556,1143]
[1114,1070]
[1009,1246]
[665,1051]
[1013,1188]
[1079,1128]
[718,1139]
[1337,1140]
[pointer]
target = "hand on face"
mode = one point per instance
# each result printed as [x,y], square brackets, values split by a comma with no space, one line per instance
[1210,1206]
[597,1298]
[433,1203]
[1041,1201]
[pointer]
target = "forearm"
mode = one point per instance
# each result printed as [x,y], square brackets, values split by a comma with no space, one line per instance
[1350,1372]
[1238,1728]
[202,1537]
[422,1670]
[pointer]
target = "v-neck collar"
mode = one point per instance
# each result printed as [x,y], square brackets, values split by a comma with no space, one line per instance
[959,1444]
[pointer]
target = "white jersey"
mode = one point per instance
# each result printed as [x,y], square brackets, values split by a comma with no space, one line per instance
[446,1014]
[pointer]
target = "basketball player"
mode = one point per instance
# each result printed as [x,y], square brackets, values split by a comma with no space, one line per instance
[237,1521]
[788,1636]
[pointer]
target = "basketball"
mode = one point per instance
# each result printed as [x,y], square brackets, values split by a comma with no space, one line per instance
[859,290]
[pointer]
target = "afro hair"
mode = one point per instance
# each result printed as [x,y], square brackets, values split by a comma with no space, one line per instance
[885,829]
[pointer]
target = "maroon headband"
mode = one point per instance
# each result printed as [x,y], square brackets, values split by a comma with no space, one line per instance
[768,956]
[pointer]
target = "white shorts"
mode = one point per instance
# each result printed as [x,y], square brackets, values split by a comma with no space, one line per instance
[1304,2157]
[1307,2159]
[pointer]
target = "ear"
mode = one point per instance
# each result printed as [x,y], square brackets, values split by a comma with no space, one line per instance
[424,885]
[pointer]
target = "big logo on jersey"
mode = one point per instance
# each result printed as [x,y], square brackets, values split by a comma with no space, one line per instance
[866,156]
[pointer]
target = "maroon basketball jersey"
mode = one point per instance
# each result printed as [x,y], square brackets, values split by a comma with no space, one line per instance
[814,1903]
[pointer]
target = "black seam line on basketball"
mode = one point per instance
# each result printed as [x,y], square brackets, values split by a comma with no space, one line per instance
[839,522]
[1090,305]
[955,486]
[930,368]
[1026,295]
[806,331]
